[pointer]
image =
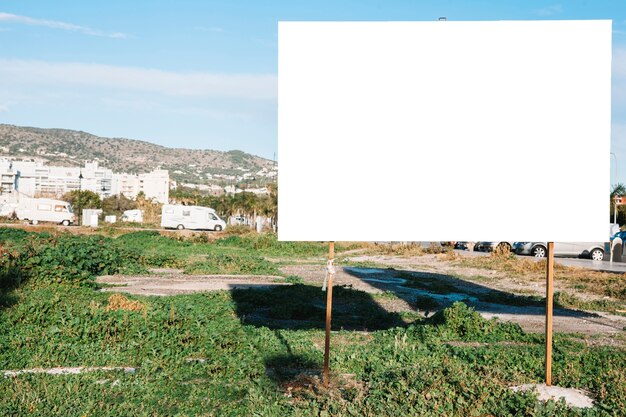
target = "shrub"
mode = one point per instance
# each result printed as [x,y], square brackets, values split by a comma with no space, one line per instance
[75,259]
[462,322]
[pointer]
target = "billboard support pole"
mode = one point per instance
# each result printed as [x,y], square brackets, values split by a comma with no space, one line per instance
[330,271]
[549,304]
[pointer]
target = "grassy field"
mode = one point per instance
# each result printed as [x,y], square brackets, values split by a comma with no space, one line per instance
[258,352]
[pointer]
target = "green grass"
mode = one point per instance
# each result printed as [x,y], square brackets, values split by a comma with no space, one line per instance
[95,254]
[261,349]
[232,263]
[248,367]
[267,244]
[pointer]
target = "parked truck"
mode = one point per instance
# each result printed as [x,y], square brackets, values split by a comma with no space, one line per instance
[37,210]
[190,217]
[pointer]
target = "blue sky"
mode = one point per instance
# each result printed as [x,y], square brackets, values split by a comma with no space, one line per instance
[202,74]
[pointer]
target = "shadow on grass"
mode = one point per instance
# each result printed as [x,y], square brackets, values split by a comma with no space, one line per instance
[9,281]
[303,307]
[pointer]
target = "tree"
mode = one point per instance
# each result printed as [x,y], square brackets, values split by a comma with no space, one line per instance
[151,208]
[84,199]
[617,190]
[117,204]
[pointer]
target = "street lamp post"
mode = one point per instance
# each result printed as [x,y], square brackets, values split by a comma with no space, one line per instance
[80,186]
[615,202]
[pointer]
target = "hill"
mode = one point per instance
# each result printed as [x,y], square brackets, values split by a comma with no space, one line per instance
[63,147]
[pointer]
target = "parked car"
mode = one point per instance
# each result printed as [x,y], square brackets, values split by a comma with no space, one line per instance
[593,250]
[491,246]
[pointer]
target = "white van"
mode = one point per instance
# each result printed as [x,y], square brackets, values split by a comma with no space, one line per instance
[190,217]
[38,210]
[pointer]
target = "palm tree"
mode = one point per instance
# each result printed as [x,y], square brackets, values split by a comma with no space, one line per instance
[618,189]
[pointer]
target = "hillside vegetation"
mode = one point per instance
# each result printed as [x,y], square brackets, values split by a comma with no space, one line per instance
[71,148]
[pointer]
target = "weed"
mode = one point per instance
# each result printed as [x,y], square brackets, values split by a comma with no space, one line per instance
[567,300]
[224,263]
[397,249]
[249,369]
[600,283]
[268,244]
[425,303]
[294,279]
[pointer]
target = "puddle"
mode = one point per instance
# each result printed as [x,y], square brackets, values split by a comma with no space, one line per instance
[398,281]
[446,298]
[375,271]
[365,270]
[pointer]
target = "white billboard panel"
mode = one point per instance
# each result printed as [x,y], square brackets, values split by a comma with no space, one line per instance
[437,131]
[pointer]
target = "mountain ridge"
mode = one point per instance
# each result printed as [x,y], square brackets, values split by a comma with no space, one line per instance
[67,147]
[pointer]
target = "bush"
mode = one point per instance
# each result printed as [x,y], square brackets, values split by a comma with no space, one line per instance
[75,259]
[462,322]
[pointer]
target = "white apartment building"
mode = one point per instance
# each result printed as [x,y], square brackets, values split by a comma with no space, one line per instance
[36,179]
[155,185]
[8,177]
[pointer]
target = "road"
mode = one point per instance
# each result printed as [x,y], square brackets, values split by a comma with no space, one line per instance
[607,266]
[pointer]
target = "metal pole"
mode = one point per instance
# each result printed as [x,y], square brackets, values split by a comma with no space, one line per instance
[329,307]
[80,186]
[549,302]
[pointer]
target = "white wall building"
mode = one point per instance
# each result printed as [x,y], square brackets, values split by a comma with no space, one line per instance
[155,185]
[8,177]
[35,179]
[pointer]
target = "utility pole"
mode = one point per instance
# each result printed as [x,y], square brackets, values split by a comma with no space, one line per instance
[80,186]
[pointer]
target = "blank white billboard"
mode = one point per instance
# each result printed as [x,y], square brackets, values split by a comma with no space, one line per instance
[444,131]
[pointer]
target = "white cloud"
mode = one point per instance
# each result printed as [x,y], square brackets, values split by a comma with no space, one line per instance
[3,108]
[549,10]
[190,84]
[54,24]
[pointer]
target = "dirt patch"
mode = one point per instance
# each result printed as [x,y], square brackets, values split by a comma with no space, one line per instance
[173,284]
[573,397]
[60,370]
[310,383]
